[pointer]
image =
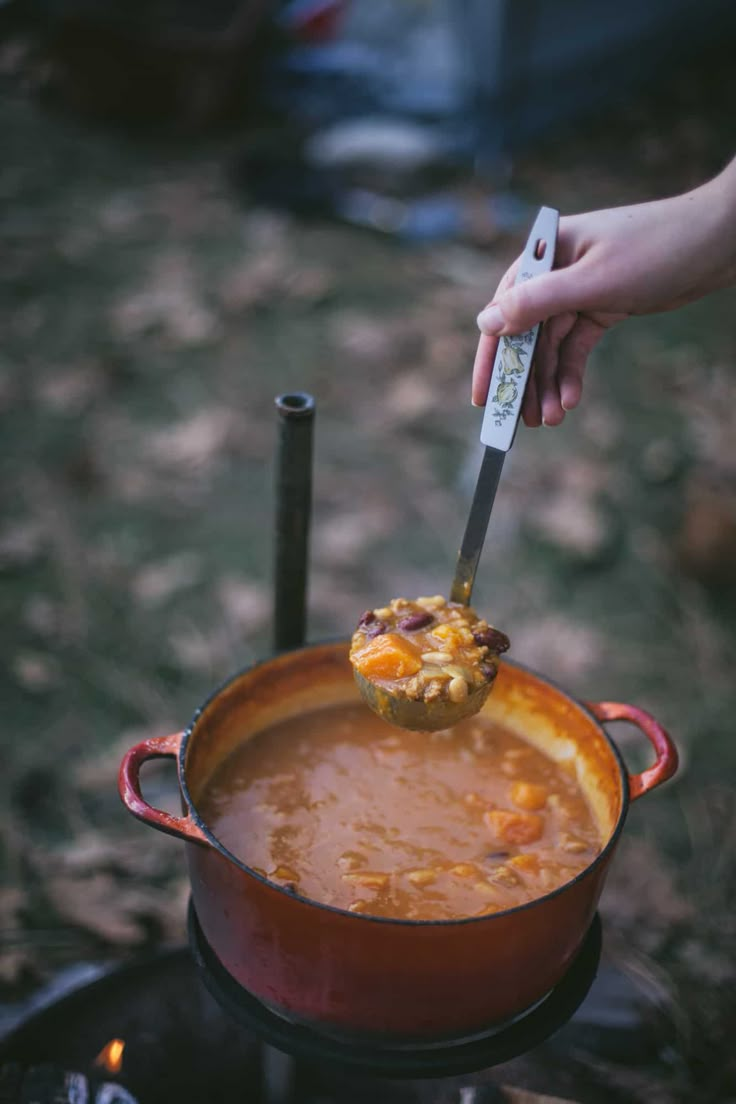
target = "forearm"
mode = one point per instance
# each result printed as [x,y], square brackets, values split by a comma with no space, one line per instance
[721,193]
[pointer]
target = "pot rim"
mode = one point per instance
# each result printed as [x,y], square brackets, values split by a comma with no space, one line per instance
[600,858]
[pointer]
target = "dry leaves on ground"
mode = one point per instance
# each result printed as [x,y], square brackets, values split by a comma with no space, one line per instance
[341,540]
[561,647]
[196,442]
[246,603]
[21,542]
[16,959]
[121,888]
[582,529]
[168,302]
[99,772]
[36,672]
[120,914]
[158,582]
[269,279]
[68,389]
[372,340]
[642,901]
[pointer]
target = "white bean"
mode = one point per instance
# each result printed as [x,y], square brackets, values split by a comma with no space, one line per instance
[437,657]
[457,691]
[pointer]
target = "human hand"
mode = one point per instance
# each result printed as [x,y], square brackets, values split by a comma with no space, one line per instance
[609,265]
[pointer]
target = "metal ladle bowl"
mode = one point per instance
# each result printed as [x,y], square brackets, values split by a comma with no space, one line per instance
[419,715]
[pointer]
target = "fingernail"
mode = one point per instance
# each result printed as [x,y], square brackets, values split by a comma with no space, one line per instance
[491,320]
[564,405]
[474,403]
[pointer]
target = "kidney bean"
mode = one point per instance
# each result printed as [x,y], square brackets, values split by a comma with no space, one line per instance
[377,628]
[493,639]
[416,621]
[366,619]
[489,673]
[497,856]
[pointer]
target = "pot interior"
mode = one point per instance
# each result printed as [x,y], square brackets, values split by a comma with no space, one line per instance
[314,677]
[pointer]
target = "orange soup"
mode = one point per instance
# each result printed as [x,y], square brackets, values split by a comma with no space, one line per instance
[343,808]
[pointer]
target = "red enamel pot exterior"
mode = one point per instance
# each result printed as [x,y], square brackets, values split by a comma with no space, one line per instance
[351,973]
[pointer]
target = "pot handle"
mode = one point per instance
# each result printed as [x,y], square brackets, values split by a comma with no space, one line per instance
[129,788]
[665,764]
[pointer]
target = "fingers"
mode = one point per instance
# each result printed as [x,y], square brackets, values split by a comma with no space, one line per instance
[548,393]
[483,369]
[570,383]
[556,381]
[487,346]
[573,357]
[546,364]
[531,411]
[521,306]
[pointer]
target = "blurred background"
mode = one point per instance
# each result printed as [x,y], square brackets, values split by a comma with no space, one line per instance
[204,206]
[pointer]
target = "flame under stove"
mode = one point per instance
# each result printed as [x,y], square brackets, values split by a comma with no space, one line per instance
[176,1029]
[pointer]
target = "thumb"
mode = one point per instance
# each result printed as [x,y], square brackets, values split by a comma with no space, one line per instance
[532,301]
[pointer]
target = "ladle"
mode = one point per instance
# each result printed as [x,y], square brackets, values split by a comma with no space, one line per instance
[505,395]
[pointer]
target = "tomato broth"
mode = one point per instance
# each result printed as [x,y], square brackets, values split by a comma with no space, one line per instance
[338,806]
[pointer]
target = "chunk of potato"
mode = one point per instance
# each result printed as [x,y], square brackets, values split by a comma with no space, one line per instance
[285,873]
[368,879]
[389,656]
[422,877]
[515,828]
[526,863]
[529,795]
[464,870]
[450,634]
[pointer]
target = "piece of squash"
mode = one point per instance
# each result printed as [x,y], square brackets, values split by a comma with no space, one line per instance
[528,863]
[529,795]
[389,656]
[515,828]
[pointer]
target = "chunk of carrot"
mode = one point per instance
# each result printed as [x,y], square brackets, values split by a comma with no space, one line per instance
[528,863]
[389,656]
[515,828]
[529,795]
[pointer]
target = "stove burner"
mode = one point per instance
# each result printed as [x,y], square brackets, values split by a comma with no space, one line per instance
[412,1060]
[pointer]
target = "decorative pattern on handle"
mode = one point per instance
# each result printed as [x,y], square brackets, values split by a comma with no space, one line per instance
[508,382]
[666,762]
[129,787]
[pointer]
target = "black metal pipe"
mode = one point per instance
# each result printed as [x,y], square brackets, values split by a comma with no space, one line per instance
[293,517]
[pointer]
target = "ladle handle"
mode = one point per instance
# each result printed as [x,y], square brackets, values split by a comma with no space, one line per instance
[129,788]
[509,375]
[665,764]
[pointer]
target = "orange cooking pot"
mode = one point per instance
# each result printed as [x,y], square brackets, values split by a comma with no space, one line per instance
[347,972]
